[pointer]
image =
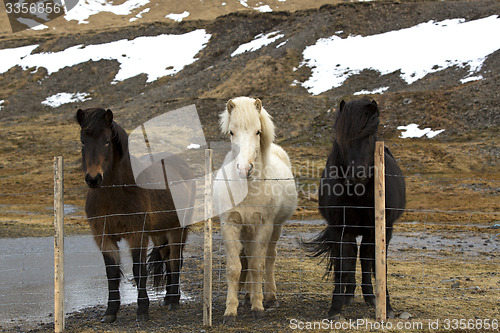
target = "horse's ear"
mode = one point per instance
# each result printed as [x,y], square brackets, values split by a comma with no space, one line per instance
[230,106]
[342,105]
[258,104]
[79,116]
[374,107]
[108,116]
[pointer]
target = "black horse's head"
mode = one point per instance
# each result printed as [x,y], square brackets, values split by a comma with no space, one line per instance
[102,144]
[356,126]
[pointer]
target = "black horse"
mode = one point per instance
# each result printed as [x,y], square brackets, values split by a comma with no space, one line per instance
[346,201]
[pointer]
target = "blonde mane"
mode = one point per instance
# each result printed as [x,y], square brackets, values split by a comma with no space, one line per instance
[245,112]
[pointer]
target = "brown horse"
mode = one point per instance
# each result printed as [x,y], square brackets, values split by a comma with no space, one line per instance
[118,209]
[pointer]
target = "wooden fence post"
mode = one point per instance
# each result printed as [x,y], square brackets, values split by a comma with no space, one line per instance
[380,239]
[207,249]
[58,244]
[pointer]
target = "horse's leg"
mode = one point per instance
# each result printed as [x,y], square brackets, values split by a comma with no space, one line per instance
[270,284]
[367,257]
[231,232]
[344,269]
[244,276]
[138,248]
[176,240]
[111,256]
[256,262]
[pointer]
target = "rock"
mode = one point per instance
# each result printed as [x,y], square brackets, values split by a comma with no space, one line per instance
[455,285]
[399,275]
[405,315]
[476,290]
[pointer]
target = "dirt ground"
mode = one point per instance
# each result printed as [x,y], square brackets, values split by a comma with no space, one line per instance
[432,275]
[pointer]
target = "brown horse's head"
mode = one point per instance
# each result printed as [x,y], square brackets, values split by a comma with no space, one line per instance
[101,144]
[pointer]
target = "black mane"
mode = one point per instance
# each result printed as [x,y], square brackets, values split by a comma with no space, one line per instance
[356,120]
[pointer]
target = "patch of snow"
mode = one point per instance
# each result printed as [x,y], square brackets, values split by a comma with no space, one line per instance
[380,90]
[415,52]
[59,99]
[244,3]
[136,56]
[412,131]
[138,16]
[260,40]
[193,146]
[14,56]
[263,9]
[86,8]
[471,78]
[281,44]
[178,17]
[1,102]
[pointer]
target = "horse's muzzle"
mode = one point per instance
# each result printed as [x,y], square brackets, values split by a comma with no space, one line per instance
[244,172]
[93,182]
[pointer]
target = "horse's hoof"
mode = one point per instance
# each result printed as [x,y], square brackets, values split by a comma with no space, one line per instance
[142,317]
[108,318]
[256,314]
[228,319]
[173,306]
[348,299]
[272,304]
[370,300]
[334,315]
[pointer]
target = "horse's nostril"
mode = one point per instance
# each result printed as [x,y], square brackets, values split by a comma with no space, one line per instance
[251,168]
[93,182]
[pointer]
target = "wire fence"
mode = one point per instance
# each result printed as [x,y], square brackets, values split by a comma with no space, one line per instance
[440,262]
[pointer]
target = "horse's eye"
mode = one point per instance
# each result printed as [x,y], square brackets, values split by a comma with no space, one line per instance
[231,133]
[107,143]
[258,132]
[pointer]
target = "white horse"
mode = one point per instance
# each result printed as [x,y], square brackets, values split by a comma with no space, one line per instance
[254,210]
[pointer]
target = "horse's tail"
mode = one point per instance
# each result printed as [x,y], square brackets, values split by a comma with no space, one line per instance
[157,265]
[322,246]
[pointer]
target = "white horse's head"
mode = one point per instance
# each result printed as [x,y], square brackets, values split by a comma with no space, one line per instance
[251,131]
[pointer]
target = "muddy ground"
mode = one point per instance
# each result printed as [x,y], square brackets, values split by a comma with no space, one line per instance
[431,275]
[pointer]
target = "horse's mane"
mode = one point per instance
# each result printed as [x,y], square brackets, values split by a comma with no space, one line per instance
[246,112]
[356,120]
[94,120]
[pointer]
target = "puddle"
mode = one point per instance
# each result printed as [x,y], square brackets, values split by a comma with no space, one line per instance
[27,278]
